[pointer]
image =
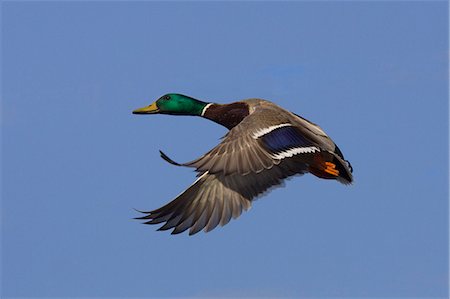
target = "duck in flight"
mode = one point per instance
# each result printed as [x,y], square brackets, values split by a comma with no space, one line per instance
[265,144]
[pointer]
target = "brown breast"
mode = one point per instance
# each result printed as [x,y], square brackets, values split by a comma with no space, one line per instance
[229,115]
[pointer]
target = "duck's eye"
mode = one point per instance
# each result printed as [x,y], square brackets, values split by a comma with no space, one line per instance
[166,98]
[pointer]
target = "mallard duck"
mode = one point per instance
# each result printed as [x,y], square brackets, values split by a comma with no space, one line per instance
[264,145]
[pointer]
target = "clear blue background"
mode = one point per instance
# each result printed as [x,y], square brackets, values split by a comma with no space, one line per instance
[76,162]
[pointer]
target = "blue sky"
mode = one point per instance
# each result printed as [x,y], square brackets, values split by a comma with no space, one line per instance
[75,161]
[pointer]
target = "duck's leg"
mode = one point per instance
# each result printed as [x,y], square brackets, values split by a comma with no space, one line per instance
[327,165]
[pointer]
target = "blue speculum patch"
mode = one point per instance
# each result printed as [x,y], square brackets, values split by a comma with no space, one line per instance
[284,138]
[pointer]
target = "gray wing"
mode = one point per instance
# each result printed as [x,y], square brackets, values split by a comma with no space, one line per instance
[215,198]
[243,151]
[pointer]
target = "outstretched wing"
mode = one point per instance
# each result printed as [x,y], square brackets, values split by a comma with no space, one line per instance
[216,198]
[259,142]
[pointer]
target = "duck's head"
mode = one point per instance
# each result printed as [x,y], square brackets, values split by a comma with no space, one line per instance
[174,103]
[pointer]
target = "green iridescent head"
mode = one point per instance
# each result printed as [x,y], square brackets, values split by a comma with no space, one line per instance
[174,103]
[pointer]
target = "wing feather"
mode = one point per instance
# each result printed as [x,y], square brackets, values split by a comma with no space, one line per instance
[216,198]
[251,146]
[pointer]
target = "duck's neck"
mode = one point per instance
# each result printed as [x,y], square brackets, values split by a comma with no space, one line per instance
[228,115]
